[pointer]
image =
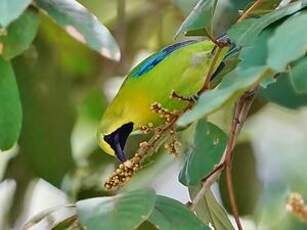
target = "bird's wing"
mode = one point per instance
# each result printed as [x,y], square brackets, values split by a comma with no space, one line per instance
[156,58]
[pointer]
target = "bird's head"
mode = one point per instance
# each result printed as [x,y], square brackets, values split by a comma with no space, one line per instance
[112,137]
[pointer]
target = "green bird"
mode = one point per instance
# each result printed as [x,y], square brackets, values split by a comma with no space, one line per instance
[181,67]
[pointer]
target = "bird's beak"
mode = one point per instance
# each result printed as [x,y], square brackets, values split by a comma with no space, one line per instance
[117,140]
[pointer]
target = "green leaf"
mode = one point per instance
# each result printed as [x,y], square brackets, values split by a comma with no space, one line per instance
[200,18]
[71,223]
[11,10]
[169,214]
[264,7]
[121,212]
[226,14]
[245,32]
[211,17]
[44,91]
[82,25]
[283,93]
[20,35]
[208,147]
[298,75]
[233,85]
[185,6]
[244,175]
[256,54]
[282,48]
[210,211]
[10,112]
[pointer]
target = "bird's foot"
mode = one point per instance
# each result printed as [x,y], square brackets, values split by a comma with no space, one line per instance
[191,99]
[223,41]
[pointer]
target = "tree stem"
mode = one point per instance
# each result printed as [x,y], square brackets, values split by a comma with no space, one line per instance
[240,113]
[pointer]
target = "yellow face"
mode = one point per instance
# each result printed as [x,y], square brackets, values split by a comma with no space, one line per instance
[112,137]
[120,119]
[105,146]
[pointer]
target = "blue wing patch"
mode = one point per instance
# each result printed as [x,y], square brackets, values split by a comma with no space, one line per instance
[155,59]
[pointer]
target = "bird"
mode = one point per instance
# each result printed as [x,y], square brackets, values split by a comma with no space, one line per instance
[181,68]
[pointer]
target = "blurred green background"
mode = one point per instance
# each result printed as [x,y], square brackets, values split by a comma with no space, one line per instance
[64,89]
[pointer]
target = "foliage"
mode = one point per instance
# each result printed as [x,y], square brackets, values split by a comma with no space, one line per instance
[51,100]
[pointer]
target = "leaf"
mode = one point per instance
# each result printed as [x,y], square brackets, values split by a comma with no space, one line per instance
[82,25]
[11,10]
[226,14]
[245,32]
[10,112]
[256,54]
[20,35]
[210,211]
[244,175]
[282,49]
[298,75]
[55,215]
[264,7]
[283,93]
[200,18]
[208,147]
[233,85]
[169,214]
[185,6]
[71,223]
[44,92]
[211,17]
[124,211]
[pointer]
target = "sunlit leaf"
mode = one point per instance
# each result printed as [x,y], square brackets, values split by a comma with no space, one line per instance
[81,25]
[210,211]
[245,32]
[208,147]
[10,112]
[123,211]
[169,214]
[11,10]
[54,214]
[19,35]
[298,76]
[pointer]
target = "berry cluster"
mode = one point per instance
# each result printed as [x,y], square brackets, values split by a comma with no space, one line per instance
[163,112]
[124,172]
[297,206]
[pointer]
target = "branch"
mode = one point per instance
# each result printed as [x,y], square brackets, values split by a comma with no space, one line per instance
[241,110]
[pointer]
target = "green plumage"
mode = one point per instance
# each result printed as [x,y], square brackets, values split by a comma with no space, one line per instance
[181,67]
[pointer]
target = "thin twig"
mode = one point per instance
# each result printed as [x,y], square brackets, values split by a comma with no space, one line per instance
[241,110]
[249,10]
[211,70]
